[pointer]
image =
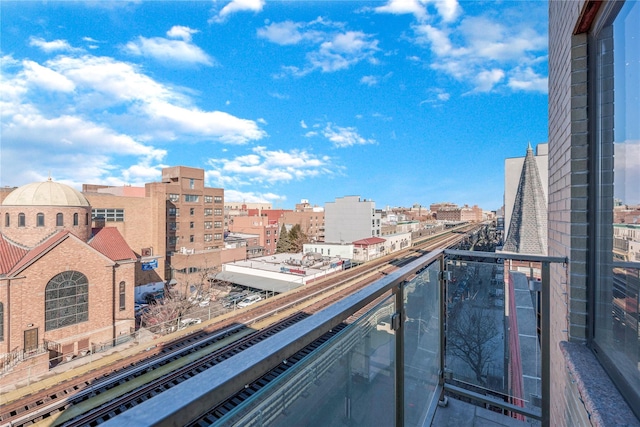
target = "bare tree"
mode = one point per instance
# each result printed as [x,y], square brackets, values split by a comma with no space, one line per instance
[164,316]
[470,337]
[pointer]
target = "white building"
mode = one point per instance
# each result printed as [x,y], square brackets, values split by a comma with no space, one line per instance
[349,219]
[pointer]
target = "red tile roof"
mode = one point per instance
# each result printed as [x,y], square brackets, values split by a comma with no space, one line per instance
[10,254]
[369,241]
[110,243]
[39,250]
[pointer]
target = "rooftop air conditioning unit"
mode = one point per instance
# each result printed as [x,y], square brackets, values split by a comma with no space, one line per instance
[183,250]
[146,252]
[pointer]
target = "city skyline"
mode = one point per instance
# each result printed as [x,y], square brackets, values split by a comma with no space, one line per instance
[398,102]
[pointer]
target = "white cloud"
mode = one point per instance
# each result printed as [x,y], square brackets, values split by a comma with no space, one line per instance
[402,7]
[252,197]
[482,52]
[52,46]
[264,166]
[486,80]
[238,6]
[331,47]
[528,80]
[345,136]
[282,33]
[46,78]
[369,80]
[303,125]
[448,10]
[169,51]
[181,32]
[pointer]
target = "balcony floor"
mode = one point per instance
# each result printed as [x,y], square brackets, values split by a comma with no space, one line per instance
[462,414]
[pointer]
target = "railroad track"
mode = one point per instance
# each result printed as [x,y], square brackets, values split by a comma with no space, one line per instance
[49,407]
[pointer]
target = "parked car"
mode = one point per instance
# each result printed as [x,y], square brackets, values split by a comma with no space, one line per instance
[251,299]
[185,323]
[232,299]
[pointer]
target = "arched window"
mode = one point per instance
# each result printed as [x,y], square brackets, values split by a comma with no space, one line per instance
[7,219]
[123,288]
[75,218]
[66,300]
[86,218]
[40,220]
[21,220]
[59,220]
[1,322]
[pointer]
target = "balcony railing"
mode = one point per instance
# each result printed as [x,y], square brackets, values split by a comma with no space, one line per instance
[468,324]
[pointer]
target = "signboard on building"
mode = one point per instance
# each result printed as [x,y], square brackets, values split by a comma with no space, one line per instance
[153,264]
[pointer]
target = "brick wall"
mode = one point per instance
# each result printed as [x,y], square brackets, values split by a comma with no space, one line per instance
[568,180]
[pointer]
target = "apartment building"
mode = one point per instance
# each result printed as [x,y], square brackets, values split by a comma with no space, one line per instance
[266,230]
[351,218]
[176,226]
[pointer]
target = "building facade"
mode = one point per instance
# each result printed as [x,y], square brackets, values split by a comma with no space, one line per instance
[594,69]
[65,289]
[177,227]
[351,218]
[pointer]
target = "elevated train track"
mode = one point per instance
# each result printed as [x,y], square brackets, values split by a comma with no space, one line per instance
[89,398]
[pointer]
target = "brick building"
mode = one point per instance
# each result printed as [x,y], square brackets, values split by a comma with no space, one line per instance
[176,224]
[266,230]
[65,289]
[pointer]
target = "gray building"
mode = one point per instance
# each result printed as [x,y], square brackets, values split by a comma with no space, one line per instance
[349,219]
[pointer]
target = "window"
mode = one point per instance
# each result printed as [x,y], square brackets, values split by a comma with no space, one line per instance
[192,224]
[174,197]
[208,225]
[172,241]
[192,238]
[192,211]
[66,300]
[217,236]
[615,110]
[173,226]
[268,241]
[191,198]
[40,220]
[109,215]
[217,212]
[75,219]
[86,218]
[121,291]
[208,212]
[217,224]
[59,219]
[217,199]
[174,211]
[208,199]
[268,232]
[7,219]
[192,183]
[208,237]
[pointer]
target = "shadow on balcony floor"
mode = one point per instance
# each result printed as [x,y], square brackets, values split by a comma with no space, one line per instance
[462,414]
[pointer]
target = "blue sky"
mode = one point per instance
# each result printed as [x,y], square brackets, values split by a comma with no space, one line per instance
[402,102]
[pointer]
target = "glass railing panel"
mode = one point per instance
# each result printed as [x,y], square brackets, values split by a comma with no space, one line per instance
[421,344]
[493,342]
[348,380]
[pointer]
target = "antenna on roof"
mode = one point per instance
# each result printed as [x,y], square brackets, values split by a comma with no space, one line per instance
[49,179]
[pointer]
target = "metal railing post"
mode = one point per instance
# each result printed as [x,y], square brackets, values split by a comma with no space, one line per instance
[545,326]
[399,362]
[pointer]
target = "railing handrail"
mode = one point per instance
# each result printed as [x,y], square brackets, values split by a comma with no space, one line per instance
[187,400]
[508,255]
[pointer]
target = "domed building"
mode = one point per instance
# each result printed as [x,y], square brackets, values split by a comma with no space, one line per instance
[65,290]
